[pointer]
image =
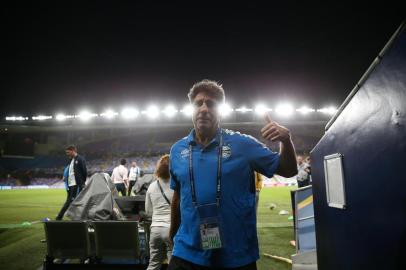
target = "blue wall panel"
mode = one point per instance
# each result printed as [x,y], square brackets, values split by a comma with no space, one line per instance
[370,133]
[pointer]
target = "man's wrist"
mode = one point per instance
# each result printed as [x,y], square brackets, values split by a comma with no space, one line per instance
[287,140]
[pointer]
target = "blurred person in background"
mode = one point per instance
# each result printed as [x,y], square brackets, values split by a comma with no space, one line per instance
[157,204]
[303,175]
[308,160]
[133,176]
[76,174]
[120,177]
[258,186]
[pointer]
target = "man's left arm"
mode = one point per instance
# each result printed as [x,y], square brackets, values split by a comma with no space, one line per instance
[82,164]
[83,167]
[125,178]
[274,132]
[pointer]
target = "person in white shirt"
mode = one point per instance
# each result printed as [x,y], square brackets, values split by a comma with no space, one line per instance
[303,175]
[157,204]
[120,177]
[133,176]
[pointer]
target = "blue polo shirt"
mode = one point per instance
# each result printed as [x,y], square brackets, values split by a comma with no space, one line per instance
[242,155]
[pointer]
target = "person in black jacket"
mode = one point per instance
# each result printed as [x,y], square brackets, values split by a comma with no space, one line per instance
[76,180]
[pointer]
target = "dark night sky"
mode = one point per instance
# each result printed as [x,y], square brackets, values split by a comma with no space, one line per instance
[73,56]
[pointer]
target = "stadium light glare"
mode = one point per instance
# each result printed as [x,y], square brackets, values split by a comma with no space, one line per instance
[63,117]
[187,110]
[109,114]
[60,117]
[86,115]
[152,112]
[261,109]
[225,110]
[284,110]
[41,117]
[129,113]
[305,110]
[16,118]
[243,110]
[170,111]
[329,110]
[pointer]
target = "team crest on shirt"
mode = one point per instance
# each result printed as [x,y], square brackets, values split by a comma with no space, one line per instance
[226,151]
[184,153]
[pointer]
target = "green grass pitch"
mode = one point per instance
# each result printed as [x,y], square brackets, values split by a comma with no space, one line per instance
[20,247]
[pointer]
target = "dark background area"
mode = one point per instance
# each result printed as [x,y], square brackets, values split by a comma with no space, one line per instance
[72,55]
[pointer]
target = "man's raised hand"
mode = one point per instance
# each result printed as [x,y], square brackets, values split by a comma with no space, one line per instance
[274,132]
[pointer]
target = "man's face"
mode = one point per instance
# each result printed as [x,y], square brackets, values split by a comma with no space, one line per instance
[134,164]
[205,112]
[299,159]
[70,153]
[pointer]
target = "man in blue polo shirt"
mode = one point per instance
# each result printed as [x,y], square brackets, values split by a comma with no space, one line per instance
[213,220]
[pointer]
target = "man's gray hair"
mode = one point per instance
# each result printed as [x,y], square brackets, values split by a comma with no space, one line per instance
[212,88]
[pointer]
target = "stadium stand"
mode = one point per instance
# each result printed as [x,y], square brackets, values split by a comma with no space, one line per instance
[103,148]
[22,173]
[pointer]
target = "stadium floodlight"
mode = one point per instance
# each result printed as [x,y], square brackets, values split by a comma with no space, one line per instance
[305,110]
[41,117]
[225,110]
[243,110]
[86,115]
[60,117]
[187,110]
[170,111]
[284,110]
[152,112]
[63,117]
[261,109]
[16,118]
[109,114]
[129,113]
[329,110]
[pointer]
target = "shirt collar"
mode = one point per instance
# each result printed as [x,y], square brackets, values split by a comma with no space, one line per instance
[192,140]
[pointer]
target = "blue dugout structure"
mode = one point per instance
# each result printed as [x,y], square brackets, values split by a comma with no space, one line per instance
[302,205]
[359,182]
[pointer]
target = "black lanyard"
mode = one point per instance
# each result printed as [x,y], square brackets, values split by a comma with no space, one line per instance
[192,178]
[162,192]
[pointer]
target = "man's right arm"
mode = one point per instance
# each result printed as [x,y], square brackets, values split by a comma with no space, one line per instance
[125,177]
[175,215]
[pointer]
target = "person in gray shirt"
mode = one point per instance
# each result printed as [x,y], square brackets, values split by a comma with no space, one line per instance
[157,204]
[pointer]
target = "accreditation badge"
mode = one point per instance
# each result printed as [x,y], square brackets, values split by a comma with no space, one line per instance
[210,236]
[209,226]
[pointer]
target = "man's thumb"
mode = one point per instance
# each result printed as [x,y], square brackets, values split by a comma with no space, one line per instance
[268,118]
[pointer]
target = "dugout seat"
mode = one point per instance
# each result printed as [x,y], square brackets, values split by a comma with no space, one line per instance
[67,240]
[145,232]
[116,240]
